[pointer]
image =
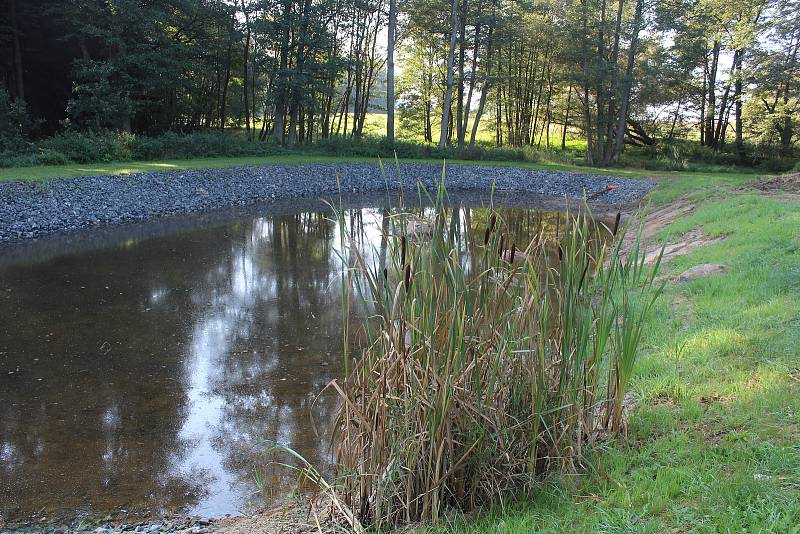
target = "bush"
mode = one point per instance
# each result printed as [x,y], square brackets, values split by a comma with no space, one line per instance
[174,145]
[15,124]
[103,146]
[775,165]
[17,159]
[92,147]
[48,156]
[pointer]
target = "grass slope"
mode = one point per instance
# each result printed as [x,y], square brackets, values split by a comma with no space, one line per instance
[714,444]
[48,172]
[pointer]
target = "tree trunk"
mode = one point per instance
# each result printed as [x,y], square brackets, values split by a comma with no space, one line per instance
[392,29]
[245,72]
[448,94]
[723,106]
[278,129]
[712,95]
[587,115]
[472,80]
[628,81]
[608,152]
[484,89]
[223,109]
[566,120]
[18,71]
[675,120]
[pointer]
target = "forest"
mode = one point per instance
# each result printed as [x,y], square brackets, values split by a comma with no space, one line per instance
[675,79]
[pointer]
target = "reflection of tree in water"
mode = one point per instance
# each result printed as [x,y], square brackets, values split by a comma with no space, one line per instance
[90,415]
[265,346]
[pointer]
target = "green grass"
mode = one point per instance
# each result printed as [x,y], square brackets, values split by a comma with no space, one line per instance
[48,172]
[714,442]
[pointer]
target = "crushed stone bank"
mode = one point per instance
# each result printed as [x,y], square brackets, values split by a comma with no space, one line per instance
[33,209]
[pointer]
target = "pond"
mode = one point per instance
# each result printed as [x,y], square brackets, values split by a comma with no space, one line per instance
[147,368]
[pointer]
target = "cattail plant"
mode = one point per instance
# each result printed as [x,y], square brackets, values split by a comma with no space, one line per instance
[481,373]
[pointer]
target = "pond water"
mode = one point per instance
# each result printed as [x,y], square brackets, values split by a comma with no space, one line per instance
[148,367]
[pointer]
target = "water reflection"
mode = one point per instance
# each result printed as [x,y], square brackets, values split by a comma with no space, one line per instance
[151,374]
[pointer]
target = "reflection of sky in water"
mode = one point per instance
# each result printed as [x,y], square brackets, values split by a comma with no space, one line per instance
[168,365]
[211,340]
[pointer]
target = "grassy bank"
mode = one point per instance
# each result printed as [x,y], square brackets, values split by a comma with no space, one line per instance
[48,172]
[73,152]
[714,442]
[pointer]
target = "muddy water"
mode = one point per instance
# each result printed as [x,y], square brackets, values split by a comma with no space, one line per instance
[150,368]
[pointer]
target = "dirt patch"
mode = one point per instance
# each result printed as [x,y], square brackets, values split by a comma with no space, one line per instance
[701,271]
[686,243]
[658,219]
[289,517]
[785,183]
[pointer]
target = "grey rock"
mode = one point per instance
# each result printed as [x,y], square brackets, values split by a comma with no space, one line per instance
[30,211]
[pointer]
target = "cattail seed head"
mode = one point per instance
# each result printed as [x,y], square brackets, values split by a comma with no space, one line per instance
[489,229]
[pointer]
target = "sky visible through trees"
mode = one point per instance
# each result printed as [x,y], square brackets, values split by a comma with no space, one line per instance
[616,72]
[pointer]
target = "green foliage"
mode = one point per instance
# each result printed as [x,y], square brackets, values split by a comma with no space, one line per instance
[98,101]
[200,144]
[15,124]
[87,147]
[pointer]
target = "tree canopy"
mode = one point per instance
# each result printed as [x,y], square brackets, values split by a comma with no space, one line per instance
[530,73]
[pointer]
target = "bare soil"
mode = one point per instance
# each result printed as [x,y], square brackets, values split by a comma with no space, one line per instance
[786,183]
[656,220]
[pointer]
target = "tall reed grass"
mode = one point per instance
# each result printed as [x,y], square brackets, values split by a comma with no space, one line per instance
[488,362]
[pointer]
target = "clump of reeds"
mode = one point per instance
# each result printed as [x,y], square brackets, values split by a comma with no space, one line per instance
[488,363]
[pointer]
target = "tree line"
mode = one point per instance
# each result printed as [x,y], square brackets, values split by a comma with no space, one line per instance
[459,72]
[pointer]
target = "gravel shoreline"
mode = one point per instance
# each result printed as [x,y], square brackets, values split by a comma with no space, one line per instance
[33,209]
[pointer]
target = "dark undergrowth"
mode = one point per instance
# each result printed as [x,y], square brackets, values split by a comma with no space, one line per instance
[73,147]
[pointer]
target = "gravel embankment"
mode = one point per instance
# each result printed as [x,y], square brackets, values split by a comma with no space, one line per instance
[29,210]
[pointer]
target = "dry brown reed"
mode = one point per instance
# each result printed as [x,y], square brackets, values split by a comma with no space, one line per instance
[482,373]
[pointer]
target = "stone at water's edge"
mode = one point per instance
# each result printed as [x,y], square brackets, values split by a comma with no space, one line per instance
[702,271]
[29,210]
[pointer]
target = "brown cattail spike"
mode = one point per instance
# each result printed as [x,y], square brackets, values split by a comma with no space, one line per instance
[616,224]
[583,276]
[513,252]
[489,229]
[407,278]
[403,251]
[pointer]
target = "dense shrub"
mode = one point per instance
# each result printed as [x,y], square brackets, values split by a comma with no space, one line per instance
[15,124]
[174,145]
[92,147]
[104,146]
